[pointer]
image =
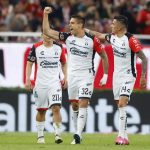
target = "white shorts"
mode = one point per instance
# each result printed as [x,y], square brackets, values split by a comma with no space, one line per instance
[46,97]
[80,87]
[123,86]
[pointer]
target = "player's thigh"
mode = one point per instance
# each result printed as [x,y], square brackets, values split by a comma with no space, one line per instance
[40,96]
[86,87]
[127,87]
[116,87]
[55,96]
[73,88]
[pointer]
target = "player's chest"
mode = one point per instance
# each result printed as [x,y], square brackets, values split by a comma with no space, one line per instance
[81,44]
[120,45]
[50,54]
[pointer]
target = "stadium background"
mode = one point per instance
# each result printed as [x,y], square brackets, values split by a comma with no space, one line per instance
[20,27]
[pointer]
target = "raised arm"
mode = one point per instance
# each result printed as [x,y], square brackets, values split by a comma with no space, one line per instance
[46,27]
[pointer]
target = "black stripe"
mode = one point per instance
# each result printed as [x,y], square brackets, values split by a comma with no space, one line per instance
[125,95]
[84,98]
[132,64]
[93,62]
[57,104]
[129,35]
[89,35]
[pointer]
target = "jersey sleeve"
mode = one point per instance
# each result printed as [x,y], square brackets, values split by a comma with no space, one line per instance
[63,57]
[32,55]
[108,37]
[63,36]
[134,44]
[98,47]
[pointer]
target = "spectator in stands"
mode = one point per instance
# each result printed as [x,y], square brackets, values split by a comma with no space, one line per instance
[143,19]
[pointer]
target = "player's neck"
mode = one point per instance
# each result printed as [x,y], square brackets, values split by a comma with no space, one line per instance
[80,34]
[48,44]
[121,33]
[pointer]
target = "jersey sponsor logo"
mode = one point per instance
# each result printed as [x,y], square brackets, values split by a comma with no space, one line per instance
[47,64]
[119,54]
[75,51]
[42,52]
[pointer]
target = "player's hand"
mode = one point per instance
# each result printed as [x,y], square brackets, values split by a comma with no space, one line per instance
[28,85]
[103,80]
[143,82]
[48,10]
[64,83]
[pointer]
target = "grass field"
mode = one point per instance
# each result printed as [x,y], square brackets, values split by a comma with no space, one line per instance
[27,141]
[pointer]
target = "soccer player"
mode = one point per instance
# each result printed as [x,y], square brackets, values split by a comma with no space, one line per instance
[81,48]
[48,89]
[125,49]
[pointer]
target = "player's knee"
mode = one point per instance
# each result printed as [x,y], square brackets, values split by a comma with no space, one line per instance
[123,101]
[41,112]
[84,103]
[55,109]
[75,106]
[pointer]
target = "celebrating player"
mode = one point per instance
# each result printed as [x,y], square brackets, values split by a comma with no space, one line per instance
[125,49]
[81,48]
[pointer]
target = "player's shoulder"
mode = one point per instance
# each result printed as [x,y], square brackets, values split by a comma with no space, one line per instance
[128,35]
[90,36]
[37,44]
[57,44]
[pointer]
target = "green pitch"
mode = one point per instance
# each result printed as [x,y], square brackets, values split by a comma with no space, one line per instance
[27,141]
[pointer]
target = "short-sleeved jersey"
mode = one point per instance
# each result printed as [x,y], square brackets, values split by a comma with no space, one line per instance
[81,52]
[48,63]
[124,50]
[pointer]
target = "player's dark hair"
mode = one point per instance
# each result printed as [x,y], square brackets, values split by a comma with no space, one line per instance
[79,18]
[122,19]
[148,4]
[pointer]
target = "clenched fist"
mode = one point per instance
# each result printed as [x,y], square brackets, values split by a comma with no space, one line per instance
[48,10]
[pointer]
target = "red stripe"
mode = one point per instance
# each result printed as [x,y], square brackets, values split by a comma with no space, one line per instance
[42,109]
[73,100]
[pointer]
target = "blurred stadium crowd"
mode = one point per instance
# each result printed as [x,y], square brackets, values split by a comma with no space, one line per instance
[26,15]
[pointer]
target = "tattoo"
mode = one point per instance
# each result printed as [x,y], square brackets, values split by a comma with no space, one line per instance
[142,56]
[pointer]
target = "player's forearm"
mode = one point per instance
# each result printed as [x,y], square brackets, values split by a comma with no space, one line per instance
[144,62]
[64,69]
[45,24]
[104,62]
[105,65]
[99,35]
[28,71]
[144,67]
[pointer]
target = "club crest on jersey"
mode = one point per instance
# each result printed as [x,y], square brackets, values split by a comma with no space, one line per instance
[56,53]
[123,44]
[86,42]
